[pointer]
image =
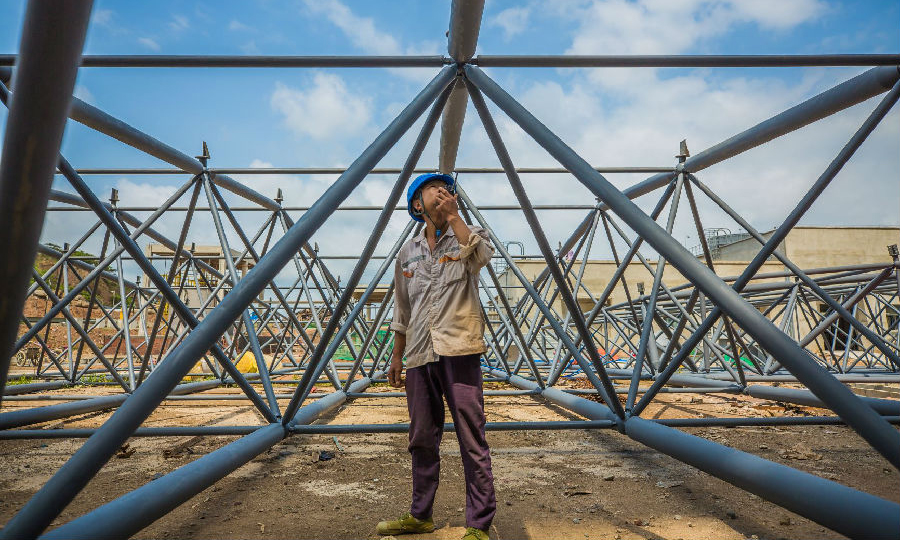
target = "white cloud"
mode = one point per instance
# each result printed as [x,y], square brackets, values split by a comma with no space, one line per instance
[82,93]
[777,14]
[142,193]
[361,31]
[102,17]
[512,20]
[179,23]
[670,27]
[250,47]
[364,35]
[238,26]
[149,43]
[324,109]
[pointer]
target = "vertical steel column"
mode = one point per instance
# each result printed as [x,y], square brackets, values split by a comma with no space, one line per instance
[462,39]
[52,39]
[126,324]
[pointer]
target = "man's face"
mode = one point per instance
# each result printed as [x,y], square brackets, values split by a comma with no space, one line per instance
[429,192]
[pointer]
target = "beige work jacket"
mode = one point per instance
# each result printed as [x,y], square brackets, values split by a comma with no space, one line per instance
[436,302]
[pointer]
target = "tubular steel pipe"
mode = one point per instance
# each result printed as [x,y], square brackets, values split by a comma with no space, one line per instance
[888,407]
[838,507]
[223,61]
[36,415]
[29,388]
[758,421]
[377,170]
[176,431]
[686,61]
[220,431]
[882,437]
[128,514]
[531,61]
[589,409]
[462,38]
[34,130]
[62,487]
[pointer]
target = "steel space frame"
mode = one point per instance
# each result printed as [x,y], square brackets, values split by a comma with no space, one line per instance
[712,335]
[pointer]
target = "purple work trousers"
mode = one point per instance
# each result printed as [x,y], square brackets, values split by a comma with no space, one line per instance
[458,379]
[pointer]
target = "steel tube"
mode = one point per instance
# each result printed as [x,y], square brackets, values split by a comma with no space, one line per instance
[887,407]
[34,130]
[531,61]
[376,170]
[329,429]
[28,388]
[176,431]
[36,415]
[257,61]
[462,38]
[589,409]
[686,61]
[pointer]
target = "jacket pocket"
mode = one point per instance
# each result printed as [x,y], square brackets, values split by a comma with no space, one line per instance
[453,270]
[415,280]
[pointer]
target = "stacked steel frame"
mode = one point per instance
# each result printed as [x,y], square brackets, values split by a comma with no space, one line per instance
[711,335]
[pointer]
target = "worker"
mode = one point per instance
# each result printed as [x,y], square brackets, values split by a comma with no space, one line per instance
[439,328]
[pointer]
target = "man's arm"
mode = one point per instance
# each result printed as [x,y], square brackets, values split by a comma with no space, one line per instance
[398,325]
[395,372]
[460,229]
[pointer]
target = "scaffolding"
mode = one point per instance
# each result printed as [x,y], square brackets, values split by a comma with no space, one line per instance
[712,335]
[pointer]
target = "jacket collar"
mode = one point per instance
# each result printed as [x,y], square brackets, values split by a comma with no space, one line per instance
[421,236]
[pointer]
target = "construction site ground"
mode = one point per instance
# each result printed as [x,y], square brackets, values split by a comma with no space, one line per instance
[572,484]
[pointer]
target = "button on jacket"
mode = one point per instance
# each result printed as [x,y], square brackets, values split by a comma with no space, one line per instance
[436,302]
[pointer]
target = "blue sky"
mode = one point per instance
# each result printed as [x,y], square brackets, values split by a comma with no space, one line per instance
[302,117]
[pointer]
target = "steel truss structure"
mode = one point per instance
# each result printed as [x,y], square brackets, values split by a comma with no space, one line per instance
[712,335]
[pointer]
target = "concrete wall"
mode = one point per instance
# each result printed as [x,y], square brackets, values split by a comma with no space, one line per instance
[820,247]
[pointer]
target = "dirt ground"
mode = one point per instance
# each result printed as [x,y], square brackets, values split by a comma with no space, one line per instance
[572,484]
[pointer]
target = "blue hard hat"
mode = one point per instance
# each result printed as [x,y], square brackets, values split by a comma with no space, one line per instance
[419,182]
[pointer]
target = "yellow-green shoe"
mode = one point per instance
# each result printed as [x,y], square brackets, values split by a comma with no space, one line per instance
[405,524]
[475,534]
